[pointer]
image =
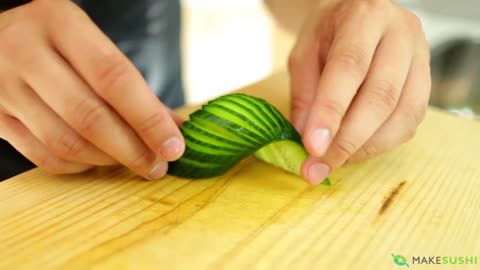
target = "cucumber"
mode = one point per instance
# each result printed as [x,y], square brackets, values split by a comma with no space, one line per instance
[230,128]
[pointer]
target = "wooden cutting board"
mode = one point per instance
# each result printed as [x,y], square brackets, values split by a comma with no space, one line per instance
[422,199]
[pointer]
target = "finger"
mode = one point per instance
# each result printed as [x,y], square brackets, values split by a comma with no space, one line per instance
[114,78]
[28,145]
[376,100]
[305,62]
[314,170]
[63,91]
[347,64]
[410,112]
[51,130]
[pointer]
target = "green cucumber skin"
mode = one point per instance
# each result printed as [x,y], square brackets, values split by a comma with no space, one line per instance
[228,129]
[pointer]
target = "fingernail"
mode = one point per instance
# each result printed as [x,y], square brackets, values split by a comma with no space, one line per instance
[158,171]
[172,148]
[320,139]
[317,172]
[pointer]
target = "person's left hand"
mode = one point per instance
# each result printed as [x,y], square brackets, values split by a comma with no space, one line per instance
[360,82]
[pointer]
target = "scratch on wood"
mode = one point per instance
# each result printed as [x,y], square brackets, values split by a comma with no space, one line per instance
[387,202]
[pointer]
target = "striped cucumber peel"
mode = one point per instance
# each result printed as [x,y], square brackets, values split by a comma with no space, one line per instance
[228,129]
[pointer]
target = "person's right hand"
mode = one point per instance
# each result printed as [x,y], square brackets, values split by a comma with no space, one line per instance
[70,100]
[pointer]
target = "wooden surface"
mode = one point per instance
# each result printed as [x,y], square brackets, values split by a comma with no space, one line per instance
[422,199]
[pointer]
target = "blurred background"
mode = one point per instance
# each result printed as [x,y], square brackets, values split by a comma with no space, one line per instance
[228,44]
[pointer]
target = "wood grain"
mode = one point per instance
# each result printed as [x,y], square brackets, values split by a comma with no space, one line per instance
[422,199]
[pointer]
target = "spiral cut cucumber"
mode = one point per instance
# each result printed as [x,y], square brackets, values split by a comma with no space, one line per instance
[232,127]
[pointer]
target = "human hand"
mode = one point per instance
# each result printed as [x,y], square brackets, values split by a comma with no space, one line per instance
[70,100]
[360,82]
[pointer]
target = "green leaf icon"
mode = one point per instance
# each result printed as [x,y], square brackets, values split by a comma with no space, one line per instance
[400,260]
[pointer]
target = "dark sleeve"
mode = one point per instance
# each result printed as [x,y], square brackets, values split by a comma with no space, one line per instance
[148,32]
[8,4]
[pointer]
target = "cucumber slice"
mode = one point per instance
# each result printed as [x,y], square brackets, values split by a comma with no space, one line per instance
[232,127]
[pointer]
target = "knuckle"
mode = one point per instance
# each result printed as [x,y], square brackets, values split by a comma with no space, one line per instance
[68,145]
[410,134]
[10,128]
[54,10]
[345,147]
[299,104]
[49,164]
[413,22]
[11,44]
[90,117]
[353,61]
[333,109]
[36,9]
[142,162]
[112,72]
[39,13]
[415,114]
[66,15]
[370,5]
[369,150]
[384,94]
[71,11]
[153,123]
[15,46]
